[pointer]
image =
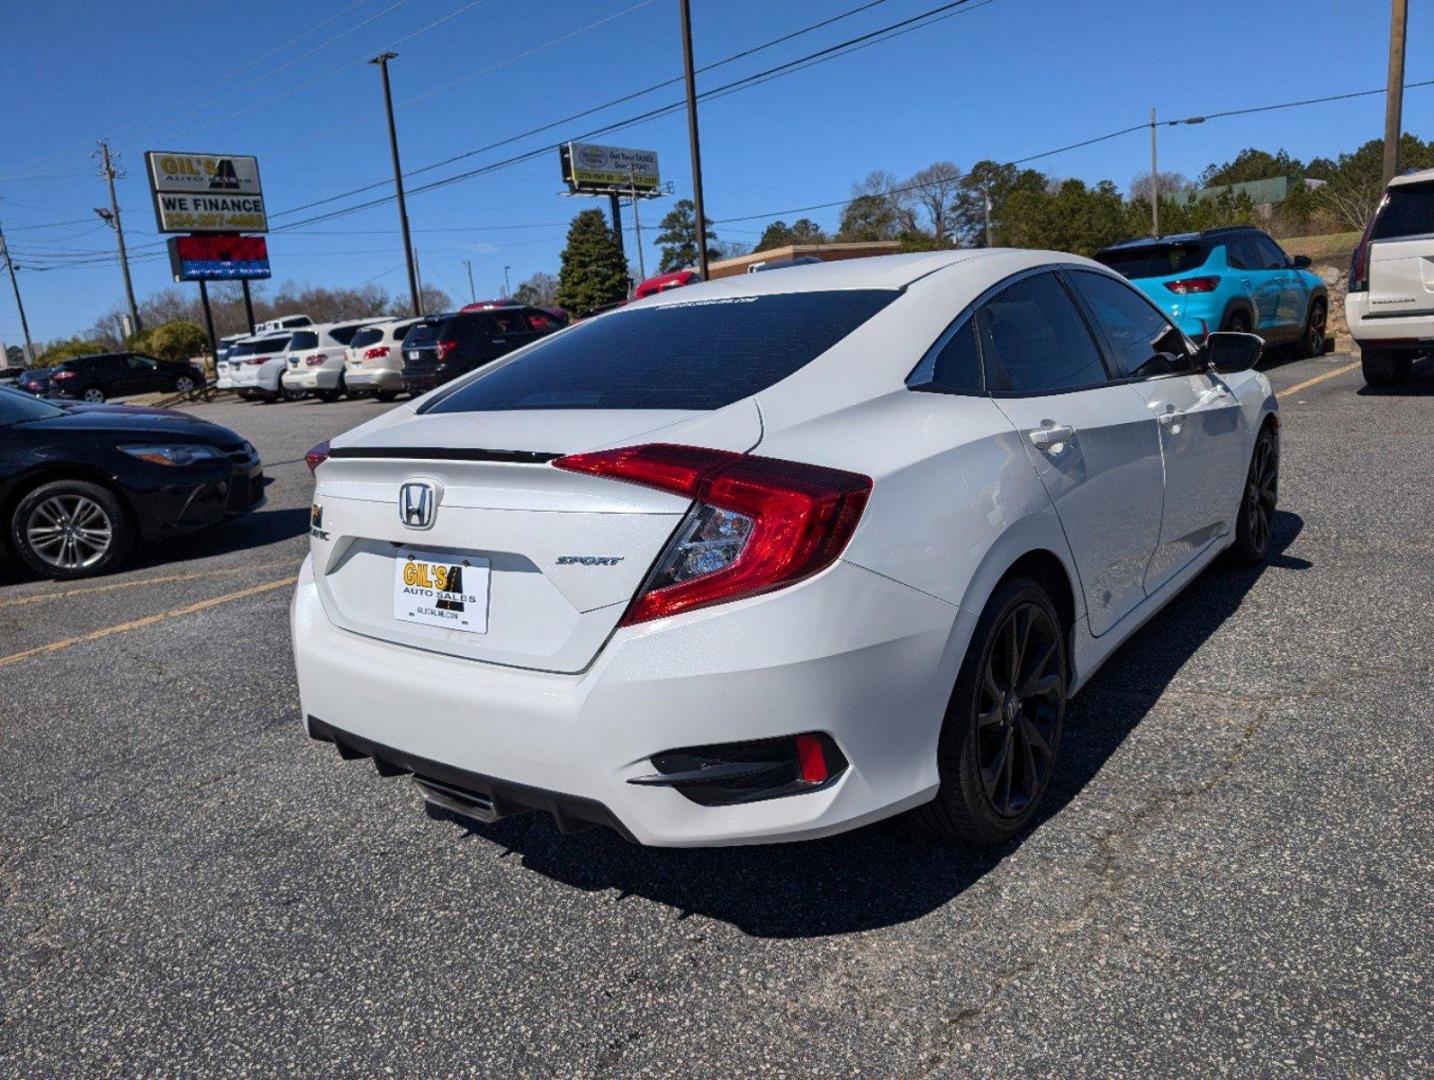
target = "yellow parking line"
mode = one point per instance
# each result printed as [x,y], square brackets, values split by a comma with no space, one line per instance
[1317,379]
[148,620]
[89,589]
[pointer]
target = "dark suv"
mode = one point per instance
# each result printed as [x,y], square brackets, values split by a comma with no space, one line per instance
[107,375]
[445,346]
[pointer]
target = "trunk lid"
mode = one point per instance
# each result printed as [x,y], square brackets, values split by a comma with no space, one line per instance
[549,559]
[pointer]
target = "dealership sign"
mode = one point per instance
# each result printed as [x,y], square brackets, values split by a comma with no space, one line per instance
[206,193]
[218,258]
[591,169]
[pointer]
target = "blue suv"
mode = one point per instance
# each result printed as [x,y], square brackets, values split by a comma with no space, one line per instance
[1233,278]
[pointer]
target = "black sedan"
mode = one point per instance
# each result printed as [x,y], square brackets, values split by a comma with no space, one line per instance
[36,381]
[105,375]
[79,487]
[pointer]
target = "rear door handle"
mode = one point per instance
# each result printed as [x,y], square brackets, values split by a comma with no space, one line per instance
[1051,434]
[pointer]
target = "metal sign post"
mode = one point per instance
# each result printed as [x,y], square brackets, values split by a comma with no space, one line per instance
[209,323]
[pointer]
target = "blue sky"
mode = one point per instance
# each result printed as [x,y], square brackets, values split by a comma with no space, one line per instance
[287,82]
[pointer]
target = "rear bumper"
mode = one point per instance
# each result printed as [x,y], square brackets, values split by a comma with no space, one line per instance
[1415,331]
[374,379]
[312,378]
[849,653]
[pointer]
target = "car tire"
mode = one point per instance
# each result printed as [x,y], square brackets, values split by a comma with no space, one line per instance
[996,738]
[1236,322]
[1312,340]
[328,397]
[184,384]
[94,395]
[286,394]
[1258,498]
[1385,367]
[102,538]
[385,396]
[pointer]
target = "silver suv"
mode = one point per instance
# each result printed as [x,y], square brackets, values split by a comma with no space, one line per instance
[1390,306]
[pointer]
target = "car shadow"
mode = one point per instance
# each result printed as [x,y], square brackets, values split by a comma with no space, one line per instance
[890,872]
[1419,384]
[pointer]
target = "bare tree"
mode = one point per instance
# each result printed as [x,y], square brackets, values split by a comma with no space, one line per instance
[936,190]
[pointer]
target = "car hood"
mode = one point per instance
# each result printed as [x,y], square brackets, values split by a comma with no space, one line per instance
[175,426]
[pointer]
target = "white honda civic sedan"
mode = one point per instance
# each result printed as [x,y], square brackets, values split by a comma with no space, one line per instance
[778,555]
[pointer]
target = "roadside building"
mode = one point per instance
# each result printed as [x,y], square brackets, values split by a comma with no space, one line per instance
[744,264]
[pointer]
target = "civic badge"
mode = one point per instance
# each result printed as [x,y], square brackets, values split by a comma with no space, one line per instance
[418,503]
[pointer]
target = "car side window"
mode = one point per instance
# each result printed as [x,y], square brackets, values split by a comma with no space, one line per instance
[952,365]
[509,321]
[1236,257]
[1141,339]
[140,363]
[1034,341]
[1272,256]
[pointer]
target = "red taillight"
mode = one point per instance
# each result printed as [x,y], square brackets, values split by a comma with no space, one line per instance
[378,352]
[316,359]
[1359,264]
[811,762]
[317,455]
[59,375]
[446,347]
[1193,284]
[757,523]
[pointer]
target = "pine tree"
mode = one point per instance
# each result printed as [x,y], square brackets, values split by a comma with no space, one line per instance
[594,272]
[678,239]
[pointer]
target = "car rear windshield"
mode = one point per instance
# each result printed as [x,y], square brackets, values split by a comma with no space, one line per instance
[366,336]
[424,333]
[1409,212]
[1154,260]
[306,339]
[701,354]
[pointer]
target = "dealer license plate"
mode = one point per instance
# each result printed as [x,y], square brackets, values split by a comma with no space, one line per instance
[441,589]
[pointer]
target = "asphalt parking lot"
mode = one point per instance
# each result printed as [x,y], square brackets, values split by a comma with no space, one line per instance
[1234,874]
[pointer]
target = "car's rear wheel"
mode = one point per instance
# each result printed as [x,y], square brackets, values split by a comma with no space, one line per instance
[183,385]
[1385,367]
[94,395]
[1002,730]
[385,395]
[70,529]
[291,395]
[1257,505]
[1237,322]
[1312,341]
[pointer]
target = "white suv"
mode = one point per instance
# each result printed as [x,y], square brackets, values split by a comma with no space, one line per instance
[256,365]
[1390,306]
[316,359]
[374,364]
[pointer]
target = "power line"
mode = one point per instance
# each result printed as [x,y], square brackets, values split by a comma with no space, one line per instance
[592,109]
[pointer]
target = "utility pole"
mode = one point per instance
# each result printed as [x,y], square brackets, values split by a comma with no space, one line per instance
[112,219]
[636,224]
[382,61]
[986,206]
[472,296]
[1394,96]
[692,138]
[615,202]
[1154,182]
[417,272]
[248,304]
[507,288]
[19,305]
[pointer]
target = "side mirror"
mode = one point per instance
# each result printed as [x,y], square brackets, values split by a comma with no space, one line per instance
[1301,262]
[1229,353]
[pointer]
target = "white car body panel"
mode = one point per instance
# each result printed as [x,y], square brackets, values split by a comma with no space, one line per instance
[558,696]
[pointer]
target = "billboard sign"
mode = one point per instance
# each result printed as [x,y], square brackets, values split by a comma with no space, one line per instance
[218,258]
[213,193]
[590,169]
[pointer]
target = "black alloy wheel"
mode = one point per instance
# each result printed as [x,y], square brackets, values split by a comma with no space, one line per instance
[998,743]
[1257,504]
[1312,343]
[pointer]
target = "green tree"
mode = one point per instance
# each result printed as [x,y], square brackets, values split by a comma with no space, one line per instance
[177,340]
[780,234]
[1251,164]
[594,272]
[868,218]
[68,348]
[677,239]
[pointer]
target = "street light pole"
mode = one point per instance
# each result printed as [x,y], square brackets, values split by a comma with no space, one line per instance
[382,61]
[507,288]
[472,296]
[692,138]
[1394,95]
[636,225]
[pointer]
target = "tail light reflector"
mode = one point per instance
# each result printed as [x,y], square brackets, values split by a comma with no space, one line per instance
[756,524]
[378,352]
[62,375]
[811,762]
[1193,285]
[317,455]
[316,359]
[446,347]
[1359,263]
